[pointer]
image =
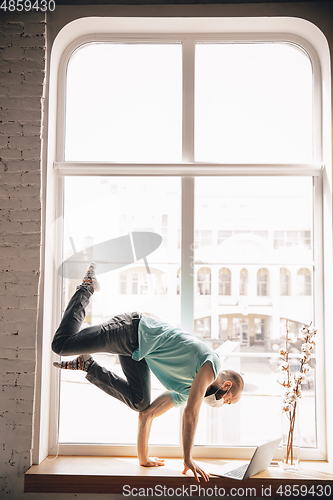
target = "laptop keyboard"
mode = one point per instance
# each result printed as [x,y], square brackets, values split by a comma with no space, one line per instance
[237,473]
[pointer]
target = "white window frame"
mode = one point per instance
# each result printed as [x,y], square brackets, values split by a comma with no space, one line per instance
[185,30]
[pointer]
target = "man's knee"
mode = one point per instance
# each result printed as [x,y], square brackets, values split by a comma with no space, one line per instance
[142,404]
[57,347]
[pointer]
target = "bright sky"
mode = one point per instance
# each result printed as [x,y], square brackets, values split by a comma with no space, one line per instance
[253,103]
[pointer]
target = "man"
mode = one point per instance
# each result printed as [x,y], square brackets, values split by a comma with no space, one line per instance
[185,365]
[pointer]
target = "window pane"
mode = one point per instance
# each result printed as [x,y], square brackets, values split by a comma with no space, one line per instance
[245,309]
[98,211]
[124,103]
[253,103]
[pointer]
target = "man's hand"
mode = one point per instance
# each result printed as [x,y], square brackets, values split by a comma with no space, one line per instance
[153,462]
[202,380]
[191,465]
[161,404]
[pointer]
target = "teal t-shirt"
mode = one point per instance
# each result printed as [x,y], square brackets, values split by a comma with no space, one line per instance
[173,355]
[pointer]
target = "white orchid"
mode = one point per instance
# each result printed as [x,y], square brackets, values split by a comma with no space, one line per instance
[290,399]
[307,346]
[299,377]
[306,368]
[284,366]
[305,356]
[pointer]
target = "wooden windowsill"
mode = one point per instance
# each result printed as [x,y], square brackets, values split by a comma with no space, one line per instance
[69,474]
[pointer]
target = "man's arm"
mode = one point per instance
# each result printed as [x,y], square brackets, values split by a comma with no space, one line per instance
[203,379]
[159,406]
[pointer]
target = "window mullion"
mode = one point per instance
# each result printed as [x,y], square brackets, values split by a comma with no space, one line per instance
[187,260]
[188,100]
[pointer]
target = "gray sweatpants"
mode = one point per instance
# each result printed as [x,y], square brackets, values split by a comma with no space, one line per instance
[119,336]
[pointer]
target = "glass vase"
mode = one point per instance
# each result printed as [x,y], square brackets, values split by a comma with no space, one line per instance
[291,438]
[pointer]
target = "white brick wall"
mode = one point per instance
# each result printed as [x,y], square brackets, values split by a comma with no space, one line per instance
[22,63]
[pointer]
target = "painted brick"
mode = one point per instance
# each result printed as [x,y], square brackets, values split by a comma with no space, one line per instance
[12,28]
[22,90]
[27,143]
[10,154]
[10,179]
[5,41]
[28,302]
[34,54]
[22,115]
[8,191]
[18,290]
[25,277]
[32,154]
[21,239]
[10,202]
[10,128]
[7,301]
[19,445]
[8,378]
[11,78]
[21,366]
[23,142]
[19,102]
[16,341]
[26,17]
[21,165]
[33,77]
[27,354]
[8,353]
[31,128]
[20,418]
[19,430]
[17,314]
[12,53]
[31,178]
[24,215]
[24,393]
[37,28]
[9,252]
[29,251]
[10,278]
[17,406]
[29,41]
[15,377]
[31,202]
[23,65]
[4,141]
[4,66]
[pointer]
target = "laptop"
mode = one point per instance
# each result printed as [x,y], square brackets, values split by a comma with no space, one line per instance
[260,460]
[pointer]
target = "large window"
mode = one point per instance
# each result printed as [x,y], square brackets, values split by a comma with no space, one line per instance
[213,145]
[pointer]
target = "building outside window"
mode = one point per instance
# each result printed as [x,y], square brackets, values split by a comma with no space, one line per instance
[225,282]
[203,327]
[262,282]
[204,281]
[304,282]
[223,235]
[202,237]
[123,283]
[223,328]
[243,279]
[284,282]
[259,324]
